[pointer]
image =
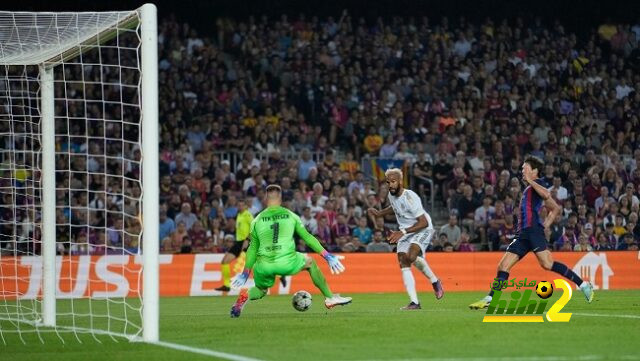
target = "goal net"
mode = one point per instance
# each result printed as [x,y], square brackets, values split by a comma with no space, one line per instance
[78,115]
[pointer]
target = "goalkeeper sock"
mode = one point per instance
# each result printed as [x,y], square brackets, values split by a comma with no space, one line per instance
[563,270]
[255,293]
[423,266]
[318,280]
[410,284]
[502,276]
[226,274]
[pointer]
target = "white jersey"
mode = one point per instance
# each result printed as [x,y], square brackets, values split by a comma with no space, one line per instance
[408,207]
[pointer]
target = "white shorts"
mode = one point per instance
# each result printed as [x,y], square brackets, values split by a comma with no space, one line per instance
[422,239]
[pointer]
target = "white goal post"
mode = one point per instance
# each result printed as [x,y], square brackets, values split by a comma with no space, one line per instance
[79,189]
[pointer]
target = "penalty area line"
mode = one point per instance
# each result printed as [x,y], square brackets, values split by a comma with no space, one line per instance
[203,351]
[606,315]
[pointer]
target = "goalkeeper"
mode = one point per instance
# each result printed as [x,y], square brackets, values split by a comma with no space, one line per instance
[272,253]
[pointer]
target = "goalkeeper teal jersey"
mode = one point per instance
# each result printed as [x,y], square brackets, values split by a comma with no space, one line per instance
[272,236]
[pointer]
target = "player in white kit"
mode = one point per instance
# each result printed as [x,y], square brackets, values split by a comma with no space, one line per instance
[416,231]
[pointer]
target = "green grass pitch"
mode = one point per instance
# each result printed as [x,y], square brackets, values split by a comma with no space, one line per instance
[372,328]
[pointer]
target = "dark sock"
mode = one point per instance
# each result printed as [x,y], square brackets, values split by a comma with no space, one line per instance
[563,270]
[502,276]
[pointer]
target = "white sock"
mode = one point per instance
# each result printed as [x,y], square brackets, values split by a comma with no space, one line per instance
[423,266]
[410,284]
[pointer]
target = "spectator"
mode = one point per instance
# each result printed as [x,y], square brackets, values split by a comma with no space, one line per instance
[561,192]
[437,244]
[583,244]
[198,237]
[451,230]
[340,229]
[389,148]
[627,243]
[305,165]
[630,196]
[601,204]
[378,244]
[593,190]
[363,232]
[441,172]
[318,193]
[506,233]
[405,154]
[115,235]
[448,247]
[309,221]
[464,245]
[349,165]
[231,209]
[324,234]
[619,227]
[603,243]
[467,207]
[567,240]
[589,233]
[217,235]
[482,217]
[186,248]
[357,185]
[173,244]
[422,169]
[612,240]
[185,216]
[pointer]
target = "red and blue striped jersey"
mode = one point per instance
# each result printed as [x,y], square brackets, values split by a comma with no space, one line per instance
[530,205]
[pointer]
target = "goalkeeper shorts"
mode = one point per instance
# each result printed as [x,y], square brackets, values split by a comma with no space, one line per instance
[264,273]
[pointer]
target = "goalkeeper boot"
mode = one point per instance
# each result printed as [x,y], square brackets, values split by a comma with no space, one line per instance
[336,300]
[243,297]
[483,303]
[587,289]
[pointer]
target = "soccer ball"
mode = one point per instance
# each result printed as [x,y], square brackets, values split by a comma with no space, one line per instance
[544,289]
[301,301]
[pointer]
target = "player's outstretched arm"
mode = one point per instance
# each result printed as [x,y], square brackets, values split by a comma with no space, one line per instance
[334,261]
[241,278]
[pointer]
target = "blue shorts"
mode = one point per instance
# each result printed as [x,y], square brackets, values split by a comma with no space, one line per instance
[530,239]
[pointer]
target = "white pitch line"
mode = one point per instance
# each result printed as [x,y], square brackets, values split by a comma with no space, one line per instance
[204,351]
[607,315]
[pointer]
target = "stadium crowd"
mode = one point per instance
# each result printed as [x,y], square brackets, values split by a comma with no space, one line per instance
[301,102]
[460,102]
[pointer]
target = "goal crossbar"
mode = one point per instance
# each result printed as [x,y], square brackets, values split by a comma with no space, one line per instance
[89,29]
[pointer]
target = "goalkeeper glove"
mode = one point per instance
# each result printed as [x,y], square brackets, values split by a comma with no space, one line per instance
[334,262]
[240,279]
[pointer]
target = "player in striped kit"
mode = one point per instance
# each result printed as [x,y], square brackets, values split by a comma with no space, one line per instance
[531,232]
[416,231]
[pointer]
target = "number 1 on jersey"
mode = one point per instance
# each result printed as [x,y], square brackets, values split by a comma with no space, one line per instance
[276,230]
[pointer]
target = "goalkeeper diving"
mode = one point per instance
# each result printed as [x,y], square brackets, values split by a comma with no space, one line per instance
[272,252]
